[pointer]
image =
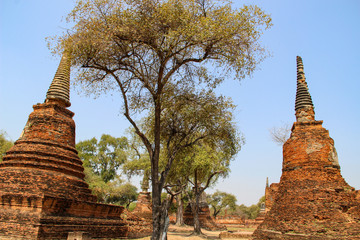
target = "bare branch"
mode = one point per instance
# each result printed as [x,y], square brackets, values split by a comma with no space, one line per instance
[280,134]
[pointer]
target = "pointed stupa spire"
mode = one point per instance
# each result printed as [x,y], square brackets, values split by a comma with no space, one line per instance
[60,86]
[304,108]
[303,98]
[267,182]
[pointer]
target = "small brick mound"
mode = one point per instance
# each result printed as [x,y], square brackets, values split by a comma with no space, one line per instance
[206,221]
[143,208]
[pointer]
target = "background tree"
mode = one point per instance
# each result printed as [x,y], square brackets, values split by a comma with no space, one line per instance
[104,157]
[252,211]
[200,138]
[123,194]
[102,161]
[5,144]
[221,200]
[189,120]
[205,167]
[138,162]
[145,46]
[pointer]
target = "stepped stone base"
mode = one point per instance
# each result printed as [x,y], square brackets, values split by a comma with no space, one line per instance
[44,217]
[138,226]
[229,220]
[276,235]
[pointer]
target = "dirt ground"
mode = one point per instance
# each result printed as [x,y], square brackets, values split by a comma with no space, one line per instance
[178,233]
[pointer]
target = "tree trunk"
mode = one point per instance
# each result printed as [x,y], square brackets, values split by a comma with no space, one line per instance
[156,184]
[216,212]
[156,212]
[179,211]
[197,227]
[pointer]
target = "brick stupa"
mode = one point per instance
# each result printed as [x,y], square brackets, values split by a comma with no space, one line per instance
[313,200]
[270,193]
[43,194]
[205,219]
[143,208]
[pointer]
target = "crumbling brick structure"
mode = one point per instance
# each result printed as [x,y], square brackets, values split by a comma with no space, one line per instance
[143,207]
[205,219]
[313,200]
[270,193]
[43,194]
[230,220]
[138,227]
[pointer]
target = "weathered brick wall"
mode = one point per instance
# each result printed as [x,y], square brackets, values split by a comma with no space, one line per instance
[270,194]
[44,160]
[18,215]
[33,217]
[230,220]
[138,227]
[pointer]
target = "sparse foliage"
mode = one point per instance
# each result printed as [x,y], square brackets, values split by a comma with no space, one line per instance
[138,162]
[280,134]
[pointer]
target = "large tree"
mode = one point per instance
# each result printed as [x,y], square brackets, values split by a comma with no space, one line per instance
[198,137]
[145,46]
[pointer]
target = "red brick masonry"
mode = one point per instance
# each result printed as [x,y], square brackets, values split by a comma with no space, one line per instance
[313,200]
[43,194]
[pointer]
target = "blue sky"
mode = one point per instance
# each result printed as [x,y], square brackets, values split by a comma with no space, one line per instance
[324,33]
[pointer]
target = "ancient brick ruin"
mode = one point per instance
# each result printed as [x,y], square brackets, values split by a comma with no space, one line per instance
[313,200]
[43,194]
[230,220]
[205,219]
[143,207]
[270,193]
[142,212]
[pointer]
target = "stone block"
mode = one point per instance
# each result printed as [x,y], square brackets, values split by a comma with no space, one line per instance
[78,236]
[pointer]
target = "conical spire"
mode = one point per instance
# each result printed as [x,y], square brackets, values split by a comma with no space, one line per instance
[267,182]
[303,98]
[60,86]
